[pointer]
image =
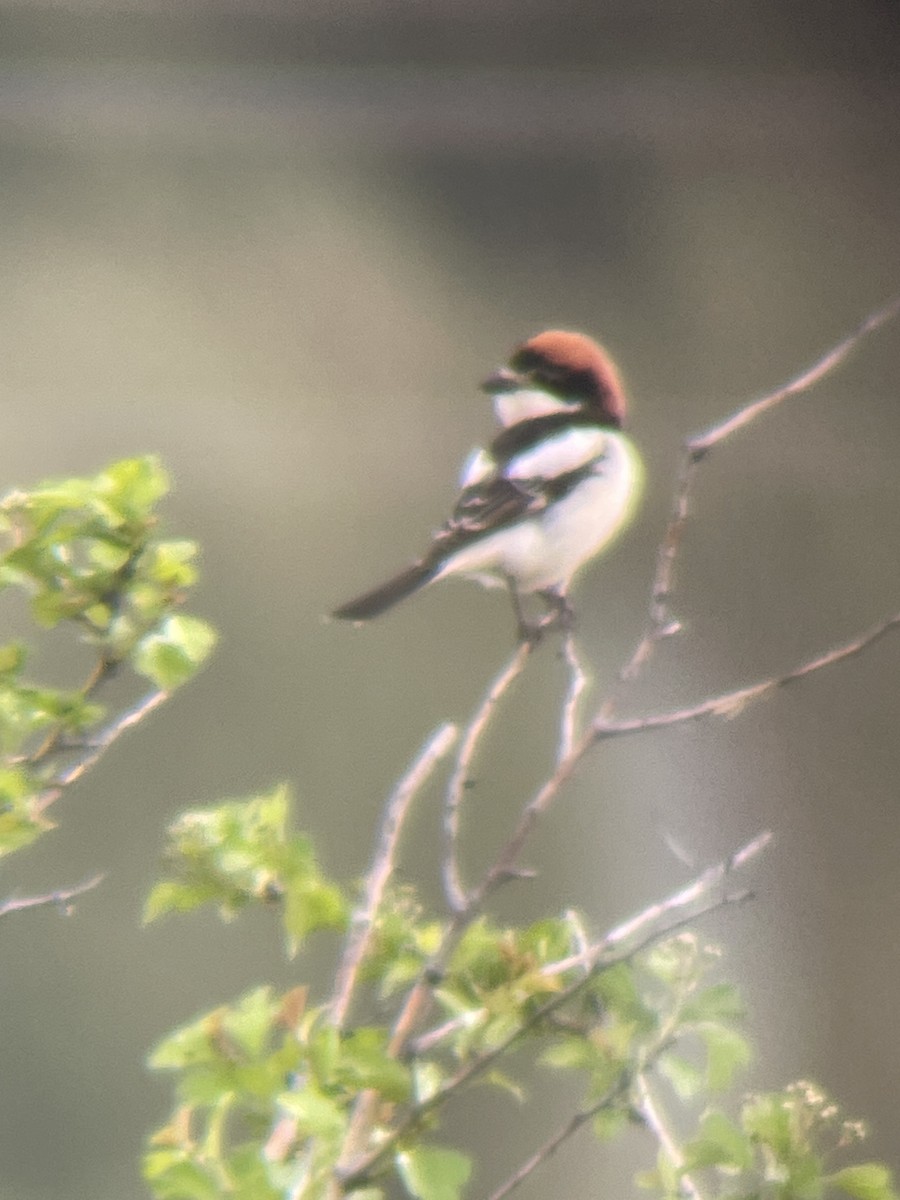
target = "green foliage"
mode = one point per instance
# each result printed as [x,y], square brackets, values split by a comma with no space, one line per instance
[781,1147]
[403,942]
[267,1088]
[242,1068]
[89,556]
[433,1172]
[240,852]
[172,652]
[88,551]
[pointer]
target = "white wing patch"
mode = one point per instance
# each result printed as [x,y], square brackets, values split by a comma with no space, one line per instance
[566,451]
[477,467]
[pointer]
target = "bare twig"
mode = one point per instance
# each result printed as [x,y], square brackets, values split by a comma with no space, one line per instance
[661,623]
[578,682]
[62,898]
[549,1148]
[460,779]
[98,747]
[603,728]
[437,746]
[655,1120]
[647,924]
[102,672]
[283,1133]
[729,704]
[396,809]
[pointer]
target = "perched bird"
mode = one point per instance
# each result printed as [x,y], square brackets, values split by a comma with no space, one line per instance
[552,490]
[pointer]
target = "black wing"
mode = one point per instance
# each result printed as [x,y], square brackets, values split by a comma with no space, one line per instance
[486,507]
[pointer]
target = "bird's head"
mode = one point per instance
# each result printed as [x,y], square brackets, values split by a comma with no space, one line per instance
[569,370]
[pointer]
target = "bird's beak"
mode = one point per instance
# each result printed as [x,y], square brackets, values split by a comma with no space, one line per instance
[502,380]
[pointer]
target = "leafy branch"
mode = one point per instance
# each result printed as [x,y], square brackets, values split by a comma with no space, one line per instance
[89,557]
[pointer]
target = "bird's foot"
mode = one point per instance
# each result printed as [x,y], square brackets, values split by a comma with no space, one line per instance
[559,615]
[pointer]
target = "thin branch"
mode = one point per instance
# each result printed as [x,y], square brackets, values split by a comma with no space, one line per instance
[649,921]
[395,812]
[461,777]
[603,728]
[98,747]
[655,1120]
[562,1135]
[438,745]
[729,704]
[578,682]
[661,623]
[801,383]
[103,670]
[62,898]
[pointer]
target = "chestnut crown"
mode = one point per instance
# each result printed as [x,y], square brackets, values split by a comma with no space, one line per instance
[570,366]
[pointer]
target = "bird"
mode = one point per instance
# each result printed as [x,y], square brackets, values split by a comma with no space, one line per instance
[553,488]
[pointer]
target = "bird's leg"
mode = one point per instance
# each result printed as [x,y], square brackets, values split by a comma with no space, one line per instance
[527,631]
[560,611]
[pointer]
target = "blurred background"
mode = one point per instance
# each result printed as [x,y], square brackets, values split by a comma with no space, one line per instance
[279,244]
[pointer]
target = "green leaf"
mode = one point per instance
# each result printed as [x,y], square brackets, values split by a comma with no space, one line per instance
[649,1181]
[171,564]
[170,895]
[311,903]
[317,1114]
[719,1143]
[250,1021]
[726,1052]
[570,1053]
[684,1076]
[609,1123]
[189,1046]
[767,1118]
[865,1181]
[172,654]
[618,990]
[20,822]
[12,659]
[548,940]
[675,961]
[132,487]
[506,1083]
[433,1172]
[721,1002]
[172,1176]
[239,852]
[366,1063]
[249,1176]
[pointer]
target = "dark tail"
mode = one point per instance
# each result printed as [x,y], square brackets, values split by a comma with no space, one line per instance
[374,603]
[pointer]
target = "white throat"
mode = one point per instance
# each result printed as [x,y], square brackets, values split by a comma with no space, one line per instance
[527,403]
